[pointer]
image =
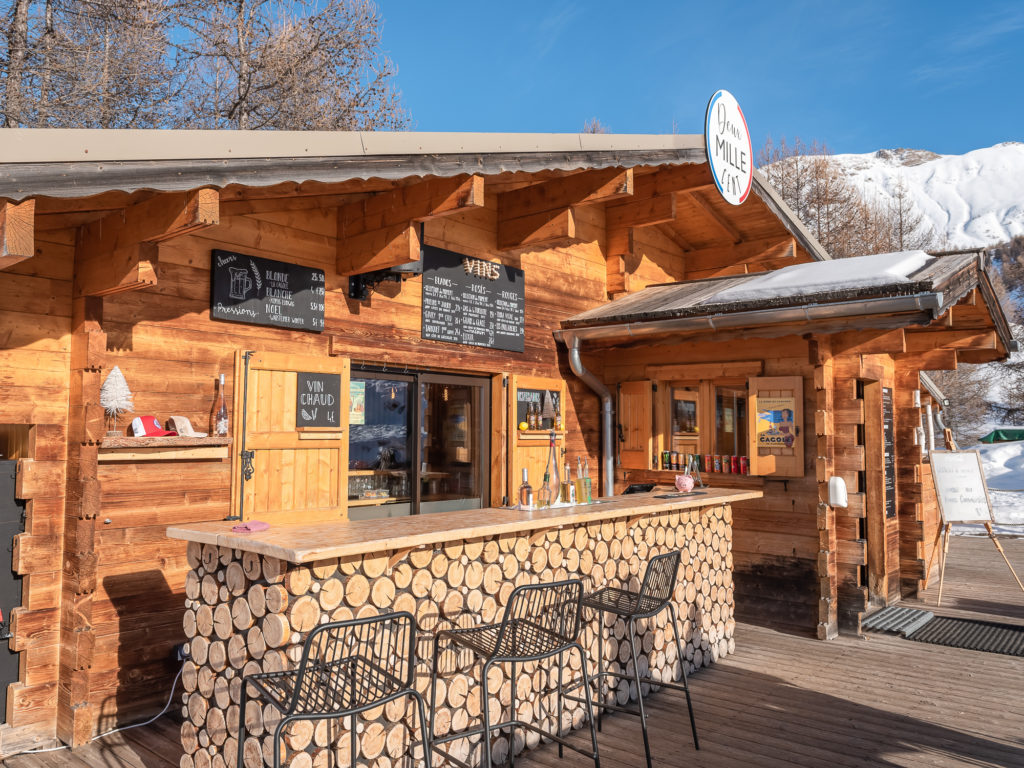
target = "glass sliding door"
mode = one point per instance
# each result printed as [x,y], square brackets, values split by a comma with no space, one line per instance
[391,472]
[380,448]
[453,443]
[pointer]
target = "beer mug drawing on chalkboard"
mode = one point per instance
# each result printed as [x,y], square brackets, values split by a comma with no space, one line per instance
[241,283]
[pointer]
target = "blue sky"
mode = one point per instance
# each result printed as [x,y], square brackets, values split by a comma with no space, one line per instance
[860,76]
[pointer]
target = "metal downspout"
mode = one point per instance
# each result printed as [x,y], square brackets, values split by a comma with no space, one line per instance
[607,413]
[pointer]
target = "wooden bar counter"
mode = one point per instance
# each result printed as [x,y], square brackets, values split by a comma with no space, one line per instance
[251,598]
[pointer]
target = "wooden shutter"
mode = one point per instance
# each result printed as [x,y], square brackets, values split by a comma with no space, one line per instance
[298,474]
[778,448]
[530,450]
[636,415]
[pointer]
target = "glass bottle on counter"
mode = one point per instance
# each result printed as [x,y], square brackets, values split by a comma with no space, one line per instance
[552,483]
[568,494]
[526,492]
[587,484]
[220,418]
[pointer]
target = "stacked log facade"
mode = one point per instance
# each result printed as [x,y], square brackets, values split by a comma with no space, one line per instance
[247,613]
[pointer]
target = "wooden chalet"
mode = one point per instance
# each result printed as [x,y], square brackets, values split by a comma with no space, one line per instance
[114,245]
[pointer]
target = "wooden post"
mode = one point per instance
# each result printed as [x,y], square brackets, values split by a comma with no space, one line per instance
[992,535]
[75,716]
[942,562]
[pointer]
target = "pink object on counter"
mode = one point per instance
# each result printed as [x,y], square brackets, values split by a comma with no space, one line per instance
[250,527]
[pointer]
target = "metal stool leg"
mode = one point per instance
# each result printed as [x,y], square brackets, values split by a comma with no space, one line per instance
[558,712]
[433,688]
[602,696]
[589,705]
[351,742]
[427,749]
[639,692]
[677,631]
[485,738]
[277,741]
[512,716]
[241,724]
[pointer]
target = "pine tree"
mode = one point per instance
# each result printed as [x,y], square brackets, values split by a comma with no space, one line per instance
[115,397]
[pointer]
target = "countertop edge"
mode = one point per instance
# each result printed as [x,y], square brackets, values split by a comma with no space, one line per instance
[258,544]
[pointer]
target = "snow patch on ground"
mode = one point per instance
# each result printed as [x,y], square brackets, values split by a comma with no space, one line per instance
[973,200]
[1003,464]
[819,276]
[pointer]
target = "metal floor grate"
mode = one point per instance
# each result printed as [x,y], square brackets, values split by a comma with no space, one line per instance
[924,627]
[973,635]
[897,620]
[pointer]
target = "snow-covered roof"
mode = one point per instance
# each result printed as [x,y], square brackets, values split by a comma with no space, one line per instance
[889,290]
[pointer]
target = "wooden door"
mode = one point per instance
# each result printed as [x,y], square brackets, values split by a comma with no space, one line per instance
[298,473]
[530,448]
[636,420]
[775,414]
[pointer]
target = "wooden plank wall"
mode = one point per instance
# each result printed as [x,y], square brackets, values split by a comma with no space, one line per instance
[171,353]
[775,544]
[35,345]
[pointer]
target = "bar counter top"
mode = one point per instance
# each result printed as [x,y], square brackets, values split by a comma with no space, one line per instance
[309,542]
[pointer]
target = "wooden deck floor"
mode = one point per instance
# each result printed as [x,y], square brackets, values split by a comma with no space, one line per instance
[784,700]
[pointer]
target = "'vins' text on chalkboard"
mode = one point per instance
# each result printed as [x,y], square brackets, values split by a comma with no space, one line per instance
[472,301]
[248,289]
[317,400]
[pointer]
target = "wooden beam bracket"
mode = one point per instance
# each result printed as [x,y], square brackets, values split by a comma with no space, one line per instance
[17,232]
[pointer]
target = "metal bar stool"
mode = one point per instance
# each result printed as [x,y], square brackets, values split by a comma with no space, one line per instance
[347,667]
[654,595]
[541,621]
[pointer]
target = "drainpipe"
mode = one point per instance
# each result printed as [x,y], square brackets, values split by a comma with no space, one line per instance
[607,412]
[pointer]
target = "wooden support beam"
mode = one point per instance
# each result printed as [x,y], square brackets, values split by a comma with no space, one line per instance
[749,253]
[975,356]
[118,252]
[714,216]
[382,230]
[932,360]
[869,343]
[17,232]
[543,214]
[922,341]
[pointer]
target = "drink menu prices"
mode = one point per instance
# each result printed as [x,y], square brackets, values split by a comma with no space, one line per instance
[471,301]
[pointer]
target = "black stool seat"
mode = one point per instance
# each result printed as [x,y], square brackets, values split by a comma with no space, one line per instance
[654,596]
[522,639]
[622,602]
[541,621]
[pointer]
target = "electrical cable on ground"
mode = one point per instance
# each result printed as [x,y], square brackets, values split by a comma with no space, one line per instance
[156,717]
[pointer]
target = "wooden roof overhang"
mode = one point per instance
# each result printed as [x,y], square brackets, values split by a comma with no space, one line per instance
[948,304]
[133,190]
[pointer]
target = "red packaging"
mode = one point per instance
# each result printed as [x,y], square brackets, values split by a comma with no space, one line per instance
[709,465]
[744,465]
[726,466]
[735,462]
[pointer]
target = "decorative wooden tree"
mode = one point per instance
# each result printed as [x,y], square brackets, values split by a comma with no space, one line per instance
[116,398]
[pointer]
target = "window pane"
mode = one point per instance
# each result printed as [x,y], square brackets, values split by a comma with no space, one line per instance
[379,443]
[730,421]
[451,470]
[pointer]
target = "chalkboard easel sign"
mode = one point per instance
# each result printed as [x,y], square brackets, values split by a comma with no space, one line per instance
[318,401]
[963,498]
[249,289]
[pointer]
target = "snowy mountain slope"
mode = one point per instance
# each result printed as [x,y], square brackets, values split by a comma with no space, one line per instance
[971,200]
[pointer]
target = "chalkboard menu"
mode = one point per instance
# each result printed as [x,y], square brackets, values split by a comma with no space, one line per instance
[317,400]
[248,289]
[889,452]
[472,301]
[535,397]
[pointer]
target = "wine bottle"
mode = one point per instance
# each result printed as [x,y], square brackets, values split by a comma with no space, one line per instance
[551,476]
[525,492]
[568,486]
[586,481]
[544,492]
[220,420]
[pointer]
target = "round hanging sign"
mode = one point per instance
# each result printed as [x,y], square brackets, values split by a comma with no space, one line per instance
[727,141]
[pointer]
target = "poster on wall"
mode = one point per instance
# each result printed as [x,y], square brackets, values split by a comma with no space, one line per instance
[357,402]
[775,427]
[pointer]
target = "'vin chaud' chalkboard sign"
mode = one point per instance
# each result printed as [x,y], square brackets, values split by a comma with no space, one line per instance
[317,397]
[472,301]
[248,289]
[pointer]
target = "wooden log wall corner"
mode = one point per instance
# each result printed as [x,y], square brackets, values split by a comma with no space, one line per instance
[119,252]
[382,230]
[30,702]
[916,500]
[17,232]
[75,718]
[824,383]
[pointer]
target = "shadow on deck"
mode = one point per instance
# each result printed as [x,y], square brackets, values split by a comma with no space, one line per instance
[784,700]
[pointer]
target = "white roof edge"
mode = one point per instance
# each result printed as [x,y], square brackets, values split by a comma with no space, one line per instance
[62,145]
